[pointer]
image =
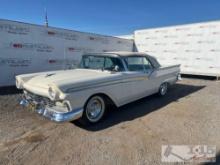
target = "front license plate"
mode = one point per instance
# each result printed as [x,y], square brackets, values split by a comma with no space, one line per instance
[32,107]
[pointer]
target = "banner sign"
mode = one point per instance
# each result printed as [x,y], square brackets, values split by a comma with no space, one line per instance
[34,48]
[195,46]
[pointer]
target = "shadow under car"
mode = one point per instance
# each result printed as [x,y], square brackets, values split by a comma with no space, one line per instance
[142,107]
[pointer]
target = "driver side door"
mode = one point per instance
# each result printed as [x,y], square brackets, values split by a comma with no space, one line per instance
[140,70]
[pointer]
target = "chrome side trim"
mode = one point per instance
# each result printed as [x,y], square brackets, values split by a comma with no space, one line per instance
[107,83]
[51,114]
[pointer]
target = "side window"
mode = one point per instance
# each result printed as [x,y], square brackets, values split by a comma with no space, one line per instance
[147,64]
[118,62]
[135,63]
[96,62]
[92,62]
[108,64]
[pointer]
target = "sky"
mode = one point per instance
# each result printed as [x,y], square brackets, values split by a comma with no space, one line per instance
[111,17]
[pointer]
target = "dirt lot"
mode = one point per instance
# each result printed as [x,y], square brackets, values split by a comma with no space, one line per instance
[133,134]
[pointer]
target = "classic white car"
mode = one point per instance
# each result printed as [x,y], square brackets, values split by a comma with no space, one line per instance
[101,79]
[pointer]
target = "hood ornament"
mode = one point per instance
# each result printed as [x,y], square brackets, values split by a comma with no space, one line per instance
[51,74]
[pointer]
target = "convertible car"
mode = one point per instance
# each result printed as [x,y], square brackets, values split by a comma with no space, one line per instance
[102,79]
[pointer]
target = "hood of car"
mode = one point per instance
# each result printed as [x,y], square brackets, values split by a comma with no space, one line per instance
[67,79]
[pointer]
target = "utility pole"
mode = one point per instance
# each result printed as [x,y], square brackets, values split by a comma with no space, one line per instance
[46,19]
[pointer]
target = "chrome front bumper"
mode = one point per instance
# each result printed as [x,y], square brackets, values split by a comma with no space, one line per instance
[53,115]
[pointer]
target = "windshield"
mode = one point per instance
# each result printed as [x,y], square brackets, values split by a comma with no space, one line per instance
[101,63]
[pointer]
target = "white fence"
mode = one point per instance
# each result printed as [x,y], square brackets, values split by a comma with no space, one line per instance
[195,46]
[27,48]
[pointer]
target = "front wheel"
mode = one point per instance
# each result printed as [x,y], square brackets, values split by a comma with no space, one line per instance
[94,110]
[163,89]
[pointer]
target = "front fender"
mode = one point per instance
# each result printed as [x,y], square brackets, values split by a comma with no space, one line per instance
[79,99]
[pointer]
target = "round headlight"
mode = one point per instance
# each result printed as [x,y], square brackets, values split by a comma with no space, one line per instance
[19,84]
[52,93]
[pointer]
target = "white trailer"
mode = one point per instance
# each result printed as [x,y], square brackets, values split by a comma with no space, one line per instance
[28,48]
[195,46]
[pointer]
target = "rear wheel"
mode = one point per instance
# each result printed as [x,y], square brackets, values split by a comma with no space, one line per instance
[94,110]
[163,89]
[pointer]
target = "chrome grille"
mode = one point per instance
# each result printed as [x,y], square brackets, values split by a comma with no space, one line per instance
[39,99]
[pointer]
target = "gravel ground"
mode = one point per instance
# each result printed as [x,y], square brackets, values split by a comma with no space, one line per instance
[132,134]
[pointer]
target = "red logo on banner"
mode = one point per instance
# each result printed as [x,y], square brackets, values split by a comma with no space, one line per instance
[201,26]
[160,31]
[51,33]
[215,50]
[169,51]
[91,38]
[194,34]
[71,49]
[170,36]
[52,61]
[181,43]
[17,45]
[180,29]
[215,33]
[207,26]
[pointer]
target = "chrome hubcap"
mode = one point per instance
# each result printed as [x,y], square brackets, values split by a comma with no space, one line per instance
[163,89]
[95,109]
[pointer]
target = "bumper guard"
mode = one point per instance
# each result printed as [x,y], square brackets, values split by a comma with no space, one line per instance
[53,115]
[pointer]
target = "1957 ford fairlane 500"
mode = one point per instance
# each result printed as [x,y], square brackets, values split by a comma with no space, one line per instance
[85,93]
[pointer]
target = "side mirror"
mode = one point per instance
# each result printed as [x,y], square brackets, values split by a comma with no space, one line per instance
[116,68]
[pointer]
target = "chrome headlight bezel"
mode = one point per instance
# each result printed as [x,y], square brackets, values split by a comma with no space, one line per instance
[19,83]
[53,94]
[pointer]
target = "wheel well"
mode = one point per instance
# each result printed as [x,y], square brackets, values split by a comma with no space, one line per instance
[108,100]
[168,84]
